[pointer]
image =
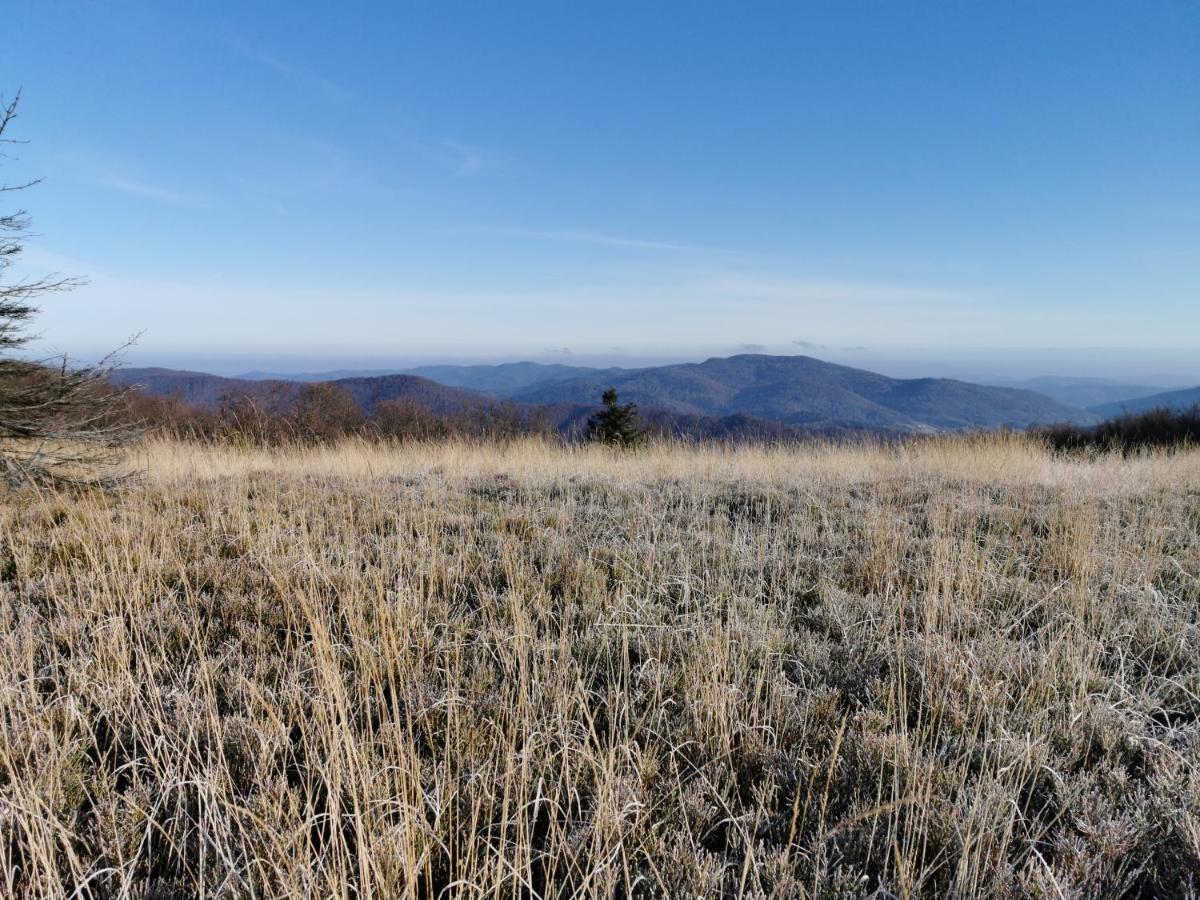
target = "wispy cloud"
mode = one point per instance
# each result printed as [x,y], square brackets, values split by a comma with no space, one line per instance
[137,188]
[596,238]
[816,290]
[465,161]
[326,88]
[459,159]
[813,345]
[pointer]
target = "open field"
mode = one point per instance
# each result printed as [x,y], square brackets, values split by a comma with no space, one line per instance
[956,667]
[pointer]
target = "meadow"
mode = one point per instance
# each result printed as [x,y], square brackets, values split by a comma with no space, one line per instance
[966,666]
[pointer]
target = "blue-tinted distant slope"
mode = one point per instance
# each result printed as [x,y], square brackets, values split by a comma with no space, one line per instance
[438,398]
[317,376]
[505,379]
[1083,393]
[801,390]
[207,391]
[199,388]
[793,391]
[502,380]
[1177,400]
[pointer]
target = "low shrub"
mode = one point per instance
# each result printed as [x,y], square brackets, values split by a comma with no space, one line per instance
[1154,428]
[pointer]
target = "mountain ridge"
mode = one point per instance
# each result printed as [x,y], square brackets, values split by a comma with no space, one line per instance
[1178,400]
[1081,393]
[799,392]
[497,379]
[207,391]
[808,392]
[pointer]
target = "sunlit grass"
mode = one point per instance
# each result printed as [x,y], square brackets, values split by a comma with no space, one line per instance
[955,666]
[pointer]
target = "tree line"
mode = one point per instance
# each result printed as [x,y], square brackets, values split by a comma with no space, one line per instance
[1126,433]
[322,412]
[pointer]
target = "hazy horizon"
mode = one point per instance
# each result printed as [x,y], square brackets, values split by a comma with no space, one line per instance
[1163,369]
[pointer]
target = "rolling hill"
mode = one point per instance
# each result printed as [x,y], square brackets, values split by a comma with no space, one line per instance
[505,379]
[501,380]
[207,391]
[1083,393]
[199,388]
[1177,400]
[438,398]
[806,392]
[335,375]
[718,396]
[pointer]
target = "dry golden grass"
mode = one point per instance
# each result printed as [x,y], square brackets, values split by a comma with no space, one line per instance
[957,667]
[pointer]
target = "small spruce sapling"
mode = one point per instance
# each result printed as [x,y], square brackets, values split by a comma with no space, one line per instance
[616,424]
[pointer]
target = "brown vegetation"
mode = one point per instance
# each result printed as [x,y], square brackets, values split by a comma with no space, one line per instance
[959,667]
[1129,432]
[322,413]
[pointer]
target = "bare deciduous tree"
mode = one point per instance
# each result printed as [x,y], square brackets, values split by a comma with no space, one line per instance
[57,423]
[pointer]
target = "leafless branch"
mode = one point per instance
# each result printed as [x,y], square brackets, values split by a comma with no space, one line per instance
[58,422]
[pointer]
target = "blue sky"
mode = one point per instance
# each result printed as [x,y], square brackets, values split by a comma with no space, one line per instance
[363,181]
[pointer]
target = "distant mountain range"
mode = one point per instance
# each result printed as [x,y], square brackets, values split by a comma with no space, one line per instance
[507,379]
[198,388]
[502,380]
[806,392]
[319,376]
[1083,393]
[749,392]
[1177,400]
[438,398]
[207,391]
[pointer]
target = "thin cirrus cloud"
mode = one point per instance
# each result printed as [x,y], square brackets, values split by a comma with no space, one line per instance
[326,88]
[813,345]
[595,238]
[465,161]
[816,290]
[148,191]
[460,159]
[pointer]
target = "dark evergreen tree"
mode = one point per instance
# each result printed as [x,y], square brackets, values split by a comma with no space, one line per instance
[616,424]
